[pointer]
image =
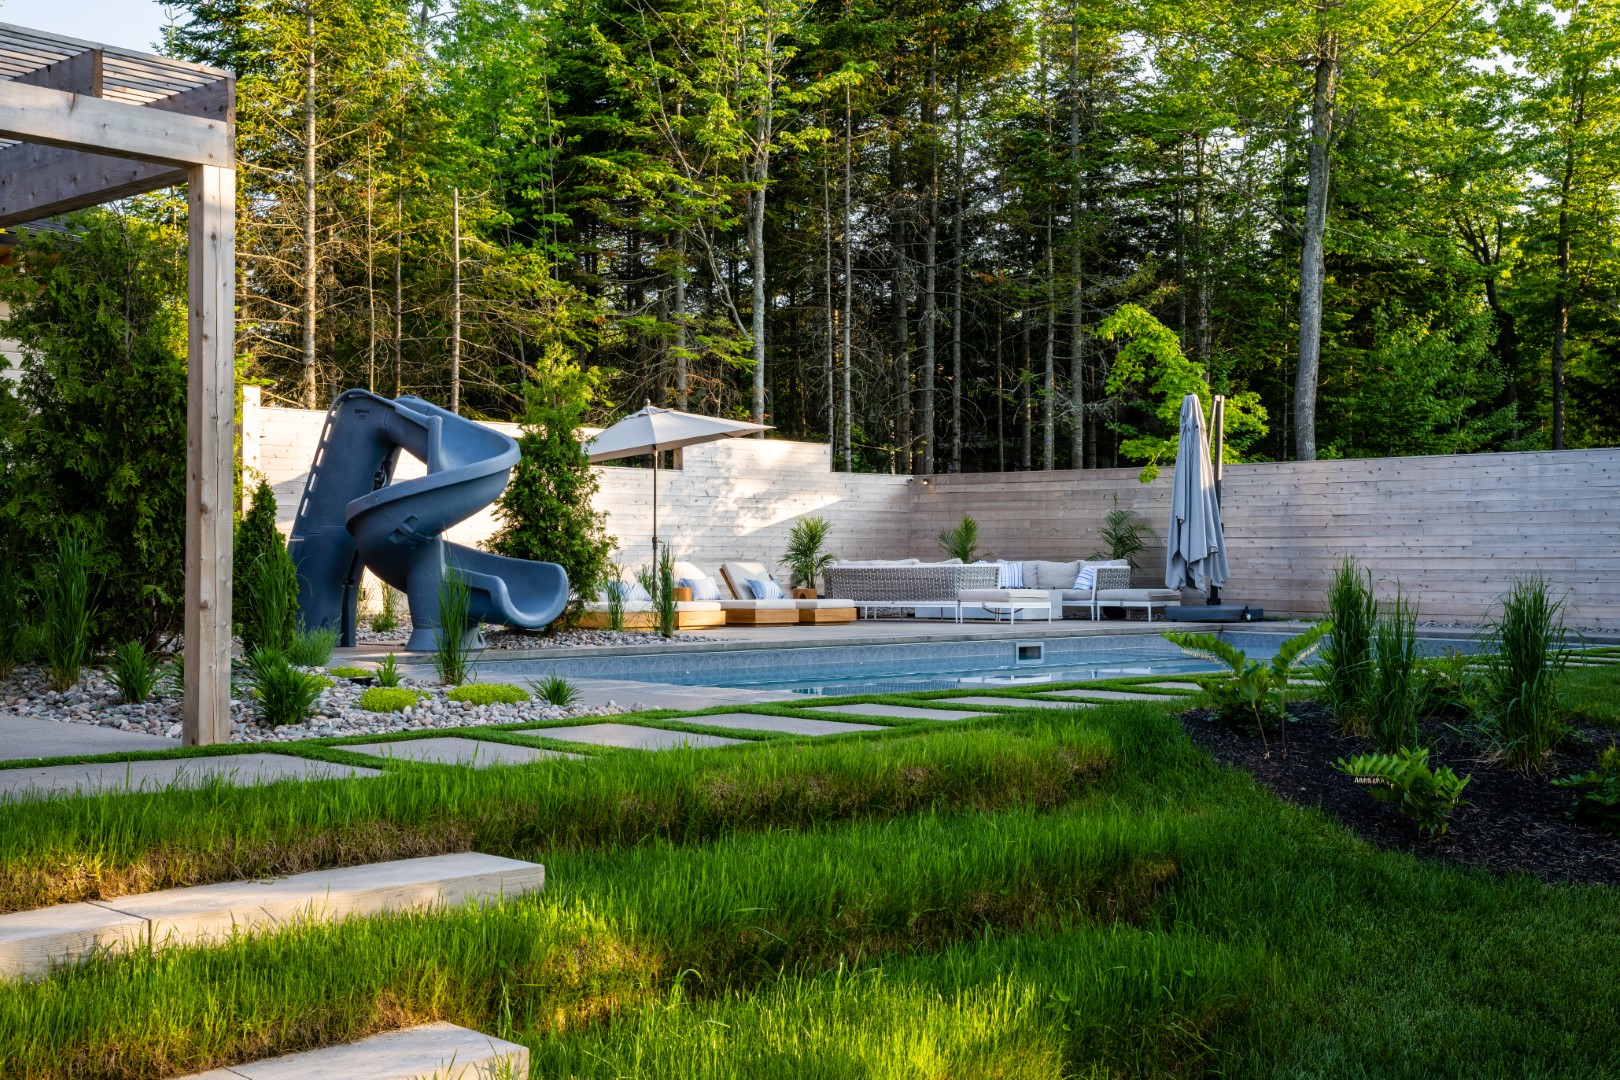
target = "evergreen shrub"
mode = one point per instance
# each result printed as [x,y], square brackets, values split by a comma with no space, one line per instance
[546,512]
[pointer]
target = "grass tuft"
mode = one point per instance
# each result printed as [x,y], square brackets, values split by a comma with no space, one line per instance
[381,699]
[489,694]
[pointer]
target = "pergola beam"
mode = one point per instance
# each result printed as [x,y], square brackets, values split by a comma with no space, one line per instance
[36,114]
[43,181]
[78,74]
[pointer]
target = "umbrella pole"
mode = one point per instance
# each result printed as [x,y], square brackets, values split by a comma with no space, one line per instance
[655,513]
[1218,423]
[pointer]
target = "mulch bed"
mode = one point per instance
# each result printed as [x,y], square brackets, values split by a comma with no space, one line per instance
[1511,821]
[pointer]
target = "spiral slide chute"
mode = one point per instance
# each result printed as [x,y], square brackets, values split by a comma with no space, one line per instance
[354,516]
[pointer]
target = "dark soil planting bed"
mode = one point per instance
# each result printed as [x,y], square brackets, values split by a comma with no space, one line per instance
[1511,821]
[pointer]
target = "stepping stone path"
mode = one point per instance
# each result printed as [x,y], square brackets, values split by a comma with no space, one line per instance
[1185,687]
[116,776]
[787,725]
[31,942]
[440,1051]
[1013,703]
[1111,695]
[630,737]
[457,751]
[899,712]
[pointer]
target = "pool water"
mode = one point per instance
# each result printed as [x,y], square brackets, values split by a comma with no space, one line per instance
[993,678]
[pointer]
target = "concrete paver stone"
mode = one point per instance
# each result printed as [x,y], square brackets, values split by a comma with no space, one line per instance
[428,1052]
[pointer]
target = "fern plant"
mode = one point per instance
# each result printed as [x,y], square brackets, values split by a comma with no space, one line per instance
[1252,690]
[1597,793]
[961,542]
[1428,796]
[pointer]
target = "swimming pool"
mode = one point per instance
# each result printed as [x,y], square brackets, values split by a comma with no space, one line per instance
[901,667]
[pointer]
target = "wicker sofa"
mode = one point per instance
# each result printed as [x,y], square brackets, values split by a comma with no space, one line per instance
[906,585]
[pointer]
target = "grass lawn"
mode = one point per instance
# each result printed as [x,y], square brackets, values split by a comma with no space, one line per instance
[1042,894]
[1592,693]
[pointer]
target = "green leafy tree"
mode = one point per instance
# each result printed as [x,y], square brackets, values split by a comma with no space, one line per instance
[99,443]
[546,512]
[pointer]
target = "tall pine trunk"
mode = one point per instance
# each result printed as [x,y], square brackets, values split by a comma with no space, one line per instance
[831,313]
[1077,293]
[678,316]
[849,284]
[1049,383]
[455,300]
[1026,403]
[756,223]
[1561,294]
[958,263]
[311,262]
[930,313]
[1311,261]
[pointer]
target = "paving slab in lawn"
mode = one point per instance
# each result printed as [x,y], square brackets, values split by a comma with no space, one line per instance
[31,942]
[457,751]
[31,737]
[1012,702]
[631,737]
[1111,695]
[1187,687]
[441,1051]
[210,912]
[899,712]
[787,725]
[240,769]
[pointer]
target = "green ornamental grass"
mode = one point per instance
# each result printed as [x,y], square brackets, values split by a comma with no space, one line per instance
[381,699]
[312,648]
[489,694]
[134,673]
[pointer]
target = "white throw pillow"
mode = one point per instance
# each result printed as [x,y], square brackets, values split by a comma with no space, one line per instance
[765,590]
[1086,579]
[1009,575]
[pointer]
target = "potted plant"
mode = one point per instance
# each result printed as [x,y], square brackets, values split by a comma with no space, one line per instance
[806,556]
[1126,534]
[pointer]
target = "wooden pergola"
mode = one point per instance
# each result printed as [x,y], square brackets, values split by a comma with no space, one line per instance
[83,124]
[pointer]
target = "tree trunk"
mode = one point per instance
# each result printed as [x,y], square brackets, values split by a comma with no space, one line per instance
[1201,270]
[678,317]
[756,224]
[311,263]
[831,312]
[455,300]
[1561,295]
[1026,405]
[399,292]
[1049,384]
[930,268]
[958,261]
[371,276]
[1311,262]
[902,317]
[1001,429]
[1077,292]
[849,284]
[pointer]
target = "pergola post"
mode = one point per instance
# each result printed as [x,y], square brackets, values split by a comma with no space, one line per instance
[83,124]
[210,453]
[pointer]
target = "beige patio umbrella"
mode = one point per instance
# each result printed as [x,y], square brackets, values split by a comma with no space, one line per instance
[653,431]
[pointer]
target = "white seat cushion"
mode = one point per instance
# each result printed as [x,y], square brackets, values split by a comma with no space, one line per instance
[1004,596]
[759,605]
[1139,596]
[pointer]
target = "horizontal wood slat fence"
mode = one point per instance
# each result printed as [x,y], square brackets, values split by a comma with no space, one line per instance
[1453,530]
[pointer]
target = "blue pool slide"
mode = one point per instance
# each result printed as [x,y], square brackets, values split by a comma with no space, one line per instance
[353,516]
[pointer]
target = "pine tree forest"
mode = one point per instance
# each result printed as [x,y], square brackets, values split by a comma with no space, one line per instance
[944,236]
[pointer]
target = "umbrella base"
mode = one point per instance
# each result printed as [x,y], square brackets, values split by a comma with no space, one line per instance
[1215,613]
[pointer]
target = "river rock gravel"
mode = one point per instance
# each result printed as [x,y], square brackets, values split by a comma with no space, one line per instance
[95,701]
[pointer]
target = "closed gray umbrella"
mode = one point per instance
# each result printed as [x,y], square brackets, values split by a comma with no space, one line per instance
[1196,546]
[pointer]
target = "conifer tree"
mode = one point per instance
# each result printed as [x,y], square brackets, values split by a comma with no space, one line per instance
[546,512]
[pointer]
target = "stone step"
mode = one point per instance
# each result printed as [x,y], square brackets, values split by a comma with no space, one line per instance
[429,1052]
[32,942]
[990,701]
[1112,695]
[785,725]
[899,712]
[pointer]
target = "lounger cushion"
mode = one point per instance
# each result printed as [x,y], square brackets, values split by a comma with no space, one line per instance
[1004,596]
[1139,596]
[824,605]
[737,574]
[641,607]
[631,591]
[758,605]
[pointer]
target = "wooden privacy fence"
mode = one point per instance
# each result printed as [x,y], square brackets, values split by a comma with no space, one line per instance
[1454,531]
